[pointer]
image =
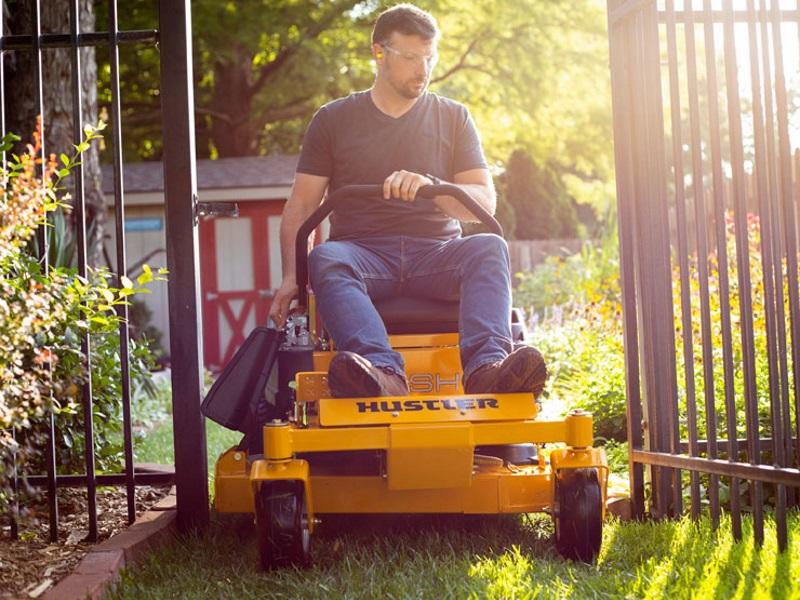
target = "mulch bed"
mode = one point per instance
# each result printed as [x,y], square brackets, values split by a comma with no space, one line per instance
[32,565]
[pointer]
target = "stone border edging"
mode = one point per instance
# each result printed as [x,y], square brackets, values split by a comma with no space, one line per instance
[101,566]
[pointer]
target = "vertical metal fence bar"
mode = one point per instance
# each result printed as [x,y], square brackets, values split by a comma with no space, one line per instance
[768,194]
[709,391]
[789,220]
[740,211]
[674,424]
[180,195]
[796,318]
[80,225]
[781,434]
[2,94]
[780,400]
[718,190]
[620,50]
[792,266]
[785,249]
[14,526]
[700,226]
[772,210]
[653,248]
[646,358]
[122,266]
[666,316]
[682,229]
[44,248]
[769,226]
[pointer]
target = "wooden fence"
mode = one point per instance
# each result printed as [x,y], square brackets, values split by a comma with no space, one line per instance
[526,254]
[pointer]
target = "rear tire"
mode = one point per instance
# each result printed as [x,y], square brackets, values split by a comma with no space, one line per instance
[282,525]
[578,514]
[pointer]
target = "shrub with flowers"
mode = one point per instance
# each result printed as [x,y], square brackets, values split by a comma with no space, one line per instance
[575,303]
[759,315]
[43,316]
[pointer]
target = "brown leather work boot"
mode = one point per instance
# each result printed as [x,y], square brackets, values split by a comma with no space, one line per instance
[521,371]
[353,376]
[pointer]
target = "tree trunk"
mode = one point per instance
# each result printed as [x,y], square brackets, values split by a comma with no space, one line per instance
[57,99]
[232,133]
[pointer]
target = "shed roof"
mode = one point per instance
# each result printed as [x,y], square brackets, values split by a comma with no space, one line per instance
[241,172]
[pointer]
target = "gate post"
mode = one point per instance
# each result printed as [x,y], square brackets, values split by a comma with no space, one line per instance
[180,194]
[644,244]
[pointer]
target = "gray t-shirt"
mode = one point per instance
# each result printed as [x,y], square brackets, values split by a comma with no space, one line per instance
[351,141]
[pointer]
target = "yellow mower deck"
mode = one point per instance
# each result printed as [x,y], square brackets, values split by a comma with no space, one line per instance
[423,446]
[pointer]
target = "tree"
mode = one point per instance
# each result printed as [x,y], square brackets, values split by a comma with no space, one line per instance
[542,207]
[534,74]
[505,213]
[21,109]
[256,90]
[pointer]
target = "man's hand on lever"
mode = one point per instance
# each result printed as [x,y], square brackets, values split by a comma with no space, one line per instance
[279,311]
[404,186]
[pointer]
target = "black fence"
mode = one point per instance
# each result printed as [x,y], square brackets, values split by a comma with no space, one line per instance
[706,132]
[173,39]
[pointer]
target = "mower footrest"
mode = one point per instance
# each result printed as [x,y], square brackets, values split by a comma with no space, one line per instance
[426,456]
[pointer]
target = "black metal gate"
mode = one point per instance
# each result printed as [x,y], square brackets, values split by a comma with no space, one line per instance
[706,132]
[177,104]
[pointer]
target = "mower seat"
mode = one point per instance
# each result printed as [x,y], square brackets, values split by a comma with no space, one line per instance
[404,315]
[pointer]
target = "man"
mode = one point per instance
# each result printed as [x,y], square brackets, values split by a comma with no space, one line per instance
[401,135]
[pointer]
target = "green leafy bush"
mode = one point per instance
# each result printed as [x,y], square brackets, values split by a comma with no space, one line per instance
[590,276]
[539,198]
[584,351]
[43,316]
[575,302]
[579,329]
[758,299]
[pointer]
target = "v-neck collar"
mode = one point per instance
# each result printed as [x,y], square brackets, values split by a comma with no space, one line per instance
[389,118]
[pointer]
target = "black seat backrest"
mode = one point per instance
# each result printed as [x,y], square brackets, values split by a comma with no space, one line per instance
[406,315]
[402,314]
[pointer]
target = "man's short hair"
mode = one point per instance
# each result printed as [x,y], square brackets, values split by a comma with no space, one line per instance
[406,19]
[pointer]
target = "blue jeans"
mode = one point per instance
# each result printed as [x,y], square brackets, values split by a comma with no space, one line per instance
[346,274]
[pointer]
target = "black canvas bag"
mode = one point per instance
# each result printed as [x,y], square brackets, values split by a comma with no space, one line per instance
[236,396]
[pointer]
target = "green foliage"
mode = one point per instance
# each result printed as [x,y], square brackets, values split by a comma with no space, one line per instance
[715,314]
[143,331]
[575,302]
[505,213]
[106,395]
[62,242]
[44,314]
[617,456]
[584,352]
[589,277]
[533,75]
[542,208]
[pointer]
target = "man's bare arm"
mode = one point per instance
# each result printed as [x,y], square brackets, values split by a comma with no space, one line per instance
[404,185]
[478,184]
[306,195]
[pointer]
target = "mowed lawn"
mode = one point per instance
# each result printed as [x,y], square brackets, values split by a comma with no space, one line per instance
[471,557]
[457,557]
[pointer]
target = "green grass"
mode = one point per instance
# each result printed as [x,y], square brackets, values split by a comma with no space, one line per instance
[157,446]
[458,557]
[462,557]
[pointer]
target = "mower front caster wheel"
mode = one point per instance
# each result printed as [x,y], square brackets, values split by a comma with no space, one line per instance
[282,525]
[578,514]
